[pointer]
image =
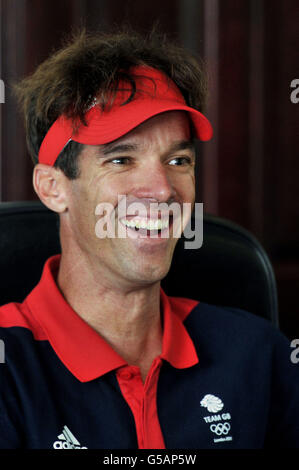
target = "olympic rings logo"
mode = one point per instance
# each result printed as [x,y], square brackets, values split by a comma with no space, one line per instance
[220,428]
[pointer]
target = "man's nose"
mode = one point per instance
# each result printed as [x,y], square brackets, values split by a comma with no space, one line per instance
[154,182]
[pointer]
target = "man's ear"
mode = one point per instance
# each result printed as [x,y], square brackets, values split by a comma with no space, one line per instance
[50,185]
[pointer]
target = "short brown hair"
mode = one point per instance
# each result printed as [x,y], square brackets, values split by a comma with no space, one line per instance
[91,65]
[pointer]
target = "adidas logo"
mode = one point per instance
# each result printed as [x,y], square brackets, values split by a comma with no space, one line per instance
[67,440]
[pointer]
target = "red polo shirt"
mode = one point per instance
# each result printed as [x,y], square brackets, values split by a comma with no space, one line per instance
[88,356]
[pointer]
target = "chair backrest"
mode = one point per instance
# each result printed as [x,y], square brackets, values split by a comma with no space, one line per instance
[230,269]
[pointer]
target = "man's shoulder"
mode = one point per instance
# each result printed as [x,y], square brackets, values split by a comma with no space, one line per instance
[12,314]
[211,313]
[15,317]
[225,314]
[227,325]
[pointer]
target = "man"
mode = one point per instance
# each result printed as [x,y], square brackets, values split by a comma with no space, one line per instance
[98,356]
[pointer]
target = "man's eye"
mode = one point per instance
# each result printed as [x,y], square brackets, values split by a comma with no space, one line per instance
[119,160]
[180,161]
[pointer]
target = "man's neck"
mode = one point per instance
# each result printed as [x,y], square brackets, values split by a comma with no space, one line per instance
[128,319]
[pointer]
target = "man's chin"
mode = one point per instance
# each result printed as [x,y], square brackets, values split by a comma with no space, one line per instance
[149,274]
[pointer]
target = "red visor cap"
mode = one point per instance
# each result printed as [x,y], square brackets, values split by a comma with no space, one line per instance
[155,94]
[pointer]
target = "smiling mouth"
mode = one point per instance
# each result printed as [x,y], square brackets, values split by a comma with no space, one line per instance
[146,226]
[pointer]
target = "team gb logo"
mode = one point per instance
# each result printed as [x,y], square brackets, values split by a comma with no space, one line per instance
[212,403]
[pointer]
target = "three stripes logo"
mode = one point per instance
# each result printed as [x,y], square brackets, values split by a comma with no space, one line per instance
[67,440]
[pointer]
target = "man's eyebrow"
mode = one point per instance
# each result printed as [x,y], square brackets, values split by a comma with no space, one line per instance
[182,145]
[110,149]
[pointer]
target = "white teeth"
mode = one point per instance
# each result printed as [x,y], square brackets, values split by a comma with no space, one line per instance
[157,224]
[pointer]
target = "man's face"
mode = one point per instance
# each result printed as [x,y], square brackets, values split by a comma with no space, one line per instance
[154,163]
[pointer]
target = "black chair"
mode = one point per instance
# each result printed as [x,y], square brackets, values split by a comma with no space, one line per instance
[230,269]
